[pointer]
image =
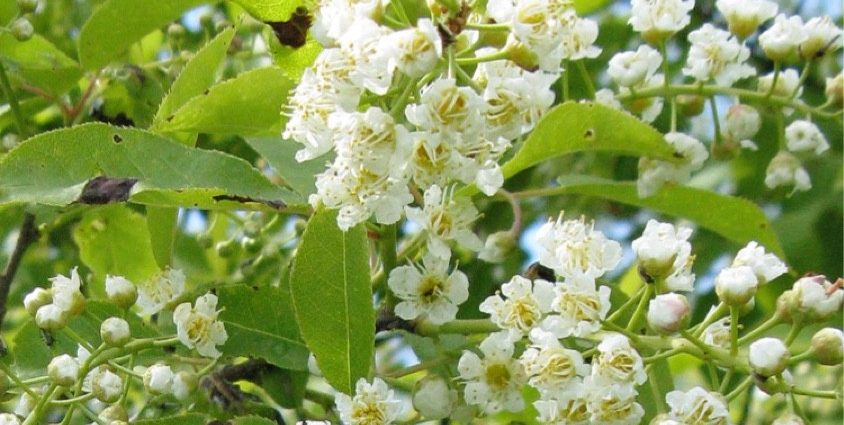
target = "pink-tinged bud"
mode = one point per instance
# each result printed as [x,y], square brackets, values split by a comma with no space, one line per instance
[668,313]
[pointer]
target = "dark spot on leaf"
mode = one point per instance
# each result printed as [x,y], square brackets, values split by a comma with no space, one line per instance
[763,225]
[246,199]
[116,138]
[293,32]
[589,134]
[255,287]
[170,118]
[206,92]
[105,190]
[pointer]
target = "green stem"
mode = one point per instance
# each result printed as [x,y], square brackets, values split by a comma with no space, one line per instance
[656,392]
[397,109]
[834,395]
[565,81]
[636,321]
[713,376]
[616,328]
[742,387]
[428,364]
[77,338]
[725,383]
[11,97]
[710,318]
[631,301]
[803,77]
[796,327]
[774,81]
[759,330]
[499,55]
[734,319]
[14,377]
[716,120]
[36,414]
[663,355]
[587,79]
[466,327]
[74,400]
[806,355]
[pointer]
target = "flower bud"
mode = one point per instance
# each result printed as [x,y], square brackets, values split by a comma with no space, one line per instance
[835,90]
[225,248]
[816,299]
[9,419]
[742,123]
[828,344]
[25,405]
[120,291]
[158,379]
[22,29]
[176,32]
[497,246]
[184,384]
[36,299]
[115,331]
[63,370]
[106,386]
[668,313]
[251,245]
[768,356]
[788,419]
[432,397]
[786,170]
[664,419]
[50,317]
[735,286]
[786,305]
[691,105]
[113,413]
[27,6]
[522,56]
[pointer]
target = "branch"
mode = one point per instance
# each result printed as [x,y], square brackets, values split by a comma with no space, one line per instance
[28,235]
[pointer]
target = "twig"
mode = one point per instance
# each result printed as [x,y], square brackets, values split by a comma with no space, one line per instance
[27,236]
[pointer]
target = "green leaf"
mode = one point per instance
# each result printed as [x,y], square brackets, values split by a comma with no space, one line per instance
[332,296]
[260,322]
[162,222]
[292,60]
[579,127]
[271,10]
[186,419]
[584,7]
[280,153]
[40,63]
[199,74]
[52,168]
[248,104]
[115,240]
[117,24]
[286,387]
[252,420]
[734,218]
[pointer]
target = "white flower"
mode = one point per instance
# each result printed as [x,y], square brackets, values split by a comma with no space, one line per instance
[736,285]
[578,37]
[115,331]
[448,108]
[614,405]
[522,306]
[9,419]
[768,356]
[36,299]
[744,16]
[766,265]
[716,54]
[786,170]
[539,27]
[373,65]
[373,404]
[653,174]
[50,317]
[788,83]
[158,379]
[741,124]
[495,382]
[628,69]
[781,40]
[659,19]
[802,135]
[334,17]
[617,362]
[551,368]
[717,334]
[198,327]
[433,398]
[497,246]
[156,292]
[428,290]
[120,291]
[66,293]
[668,313]
[664,252]
[572,410]
[63,370]
[446,218]
[415,51]
[580,307]
[106,386]
[698,407]
[817,298]
[573,248]
[822,37]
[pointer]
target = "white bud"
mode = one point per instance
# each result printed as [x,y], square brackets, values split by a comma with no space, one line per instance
[802,135]
[785,170]
[433,398]
[743,16]
[106,386]
[113,413]
[816,298]
[63,370]
[25,405]
[9,419]
[742,123]
[736,285]
[828,344]
[115,331]
[121,291]
[668,313]
[158,379]
[788,419]
[781,39]
[36,299]
[768,356]
[835,89]
[184,384]
[50,317]
[497,246]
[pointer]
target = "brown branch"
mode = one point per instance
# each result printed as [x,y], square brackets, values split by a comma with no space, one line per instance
[47,96]
[27,236]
